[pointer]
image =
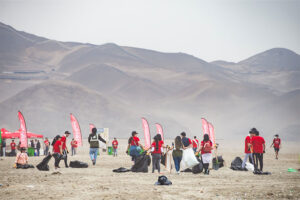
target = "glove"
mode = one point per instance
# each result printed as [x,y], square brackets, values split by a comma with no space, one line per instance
[127,152]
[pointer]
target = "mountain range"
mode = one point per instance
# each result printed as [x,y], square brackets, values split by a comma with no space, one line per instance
[114,86]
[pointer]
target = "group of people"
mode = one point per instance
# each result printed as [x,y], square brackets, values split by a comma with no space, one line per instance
[180,143]
[255,147]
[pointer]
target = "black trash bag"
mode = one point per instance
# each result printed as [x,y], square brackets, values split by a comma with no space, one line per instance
[236,164]
[43,166]
[121,170]
[163,180]
[187,170]
[141,163]
[78,164]
[219,164]
[198,168]
[163,159]
[26,166]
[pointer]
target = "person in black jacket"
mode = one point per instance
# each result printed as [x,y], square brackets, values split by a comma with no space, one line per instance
[94,144]
[38,147]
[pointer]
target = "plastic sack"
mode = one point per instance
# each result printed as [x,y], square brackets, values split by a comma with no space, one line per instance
[249,166]
[189,159]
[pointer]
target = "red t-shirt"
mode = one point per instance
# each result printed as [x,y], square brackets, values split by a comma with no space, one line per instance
[63,141]
[46,142]
[257,143]
[160,143]
[74,143]
[56,146]
[247,141]
[202,144]
[195,143]
[115,144]
[13,146]
[276,142]
[135,141]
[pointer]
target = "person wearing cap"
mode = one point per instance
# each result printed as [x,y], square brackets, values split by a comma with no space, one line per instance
[115,146]
[277,144]
[65,148]
[57,151]
[22,160]
[134,146]
[258,144]
[94,144]
[248,149]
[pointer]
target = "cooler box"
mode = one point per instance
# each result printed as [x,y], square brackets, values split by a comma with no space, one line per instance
[30,151]
[110,151]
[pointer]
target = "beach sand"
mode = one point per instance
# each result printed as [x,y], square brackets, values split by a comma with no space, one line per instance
[99,182]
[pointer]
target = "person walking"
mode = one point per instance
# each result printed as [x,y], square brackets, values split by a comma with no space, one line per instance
[4,147]
[205,148]
[134,146]
[115,146]
[13,147]
[277,144]
[38,147]
[47,144]
[74,146]
[195,144]
[248,149]
[187,143]
[156,151]
[65,148]
[259,147]
[57,151]
[94,144]
[177,153]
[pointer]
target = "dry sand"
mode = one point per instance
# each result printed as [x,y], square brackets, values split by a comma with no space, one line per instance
[99,182]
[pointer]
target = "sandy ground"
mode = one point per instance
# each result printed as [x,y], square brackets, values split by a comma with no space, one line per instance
[99,182]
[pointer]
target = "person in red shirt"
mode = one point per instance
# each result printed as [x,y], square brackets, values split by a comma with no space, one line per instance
[115,146]
[195,144]
[47,144]
[13,147]
[134,146]
[205,148]
[248,149]
[258,144]
[156,151]
[74,146]
[57,151]
[276,143]
[64,147]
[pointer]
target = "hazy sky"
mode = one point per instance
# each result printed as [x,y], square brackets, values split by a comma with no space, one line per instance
[211,30]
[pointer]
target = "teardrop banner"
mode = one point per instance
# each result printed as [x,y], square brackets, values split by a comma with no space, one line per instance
[160,130]
[23,131]
[146,133]
[76,130]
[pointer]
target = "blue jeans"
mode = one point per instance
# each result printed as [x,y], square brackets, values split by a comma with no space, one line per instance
[177,161]
[195,149]
[247,155]
[93,153]
[115,151]
[134,152]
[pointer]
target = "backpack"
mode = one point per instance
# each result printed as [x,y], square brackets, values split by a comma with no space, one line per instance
[207,147]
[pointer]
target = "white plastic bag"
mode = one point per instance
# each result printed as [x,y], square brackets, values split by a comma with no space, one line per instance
[249,166]
[189,159]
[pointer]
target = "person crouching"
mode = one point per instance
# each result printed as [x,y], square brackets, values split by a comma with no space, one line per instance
[22,160]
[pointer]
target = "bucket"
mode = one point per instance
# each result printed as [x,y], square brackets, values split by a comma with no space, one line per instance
[110,151]
[30,151]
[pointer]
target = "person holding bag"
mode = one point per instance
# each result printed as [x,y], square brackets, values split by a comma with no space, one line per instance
[205,148]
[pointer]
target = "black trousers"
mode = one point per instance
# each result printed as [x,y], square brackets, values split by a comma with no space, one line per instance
[65,156]
[156,161]
[57,158]
[258,157]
